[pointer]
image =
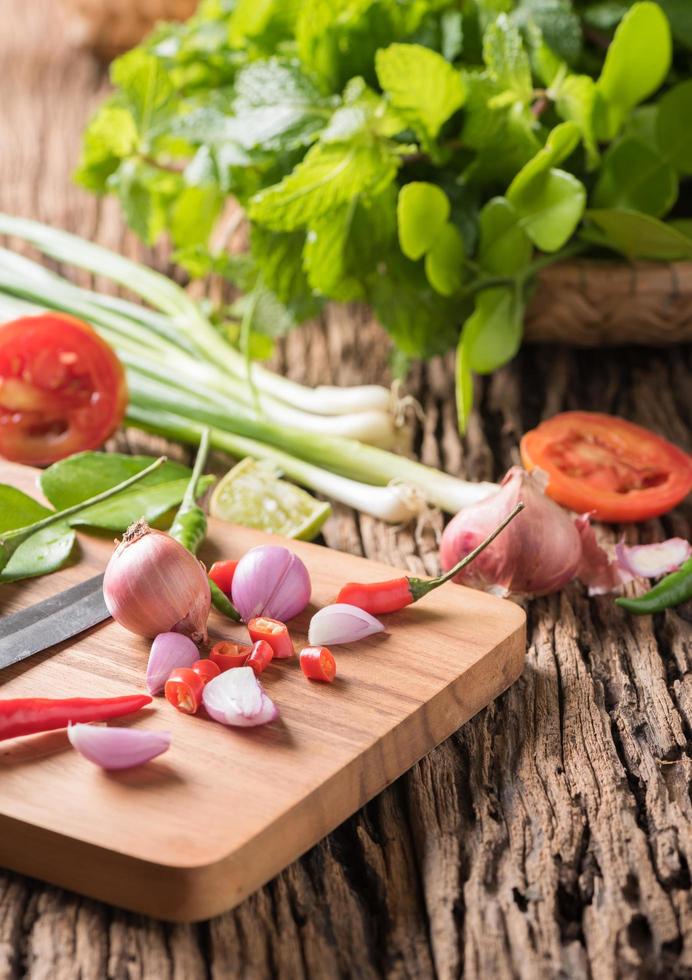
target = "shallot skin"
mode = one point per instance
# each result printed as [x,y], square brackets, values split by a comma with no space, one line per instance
[538,553]
[153,585]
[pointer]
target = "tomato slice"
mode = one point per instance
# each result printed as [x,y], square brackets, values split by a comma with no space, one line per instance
[62,389]
[603,464]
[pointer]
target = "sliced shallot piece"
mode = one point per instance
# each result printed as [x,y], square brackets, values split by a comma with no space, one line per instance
[168,652]
[117,748]
[236,698]
[341,623]
[652,560]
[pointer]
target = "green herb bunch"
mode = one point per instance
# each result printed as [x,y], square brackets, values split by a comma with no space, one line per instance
[425,156]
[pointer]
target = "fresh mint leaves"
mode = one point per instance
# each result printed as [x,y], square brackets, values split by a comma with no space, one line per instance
[425,156]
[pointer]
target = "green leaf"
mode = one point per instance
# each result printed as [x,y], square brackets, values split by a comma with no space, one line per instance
[150,503]
[557,22]
[560,143]
[421,322]
[679,13]
[72,480]
[636,64]
[264,22]
[506,59]
[278,257]
[576,101]
[492,334]
[673,129]
[463,385]
[636,177]
[550,208]
[504,247]
[44,552]
[324,258]
[145,86]
[422,209]
[639,236]
[327,177]
[421,85]
[444,262]
[110,136]
[144,194]
[194,214]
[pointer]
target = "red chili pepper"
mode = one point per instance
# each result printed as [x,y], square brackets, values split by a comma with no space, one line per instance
[396,593]
[24,716]
[275,633]
[261,656]
[206,669]
[184,690]
[318,664]
[222,572]
[227,655]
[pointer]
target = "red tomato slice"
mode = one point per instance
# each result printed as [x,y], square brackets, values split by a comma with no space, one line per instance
[603,464]
[62,389]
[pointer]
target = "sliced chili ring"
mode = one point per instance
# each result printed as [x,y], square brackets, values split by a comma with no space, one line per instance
[275,633]
[318,664]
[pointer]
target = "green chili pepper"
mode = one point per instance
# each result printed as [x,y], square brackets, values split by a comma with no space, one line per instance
[190,523]
[190,526]
[670,591]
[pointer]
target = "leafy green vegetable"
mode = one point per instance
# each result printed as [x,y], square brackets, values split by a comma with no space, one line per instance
[636,177]
[422,210]
[636,64]
[44,552]
[639,236]
[421,85]
[77,478]
[444,261]
[425,156]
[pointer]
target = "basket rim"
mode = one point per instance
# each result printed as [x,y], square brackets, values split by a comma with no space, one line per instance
[674,277]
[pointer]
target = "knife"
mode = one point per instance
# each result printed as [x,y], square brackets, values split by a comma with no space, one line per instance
[61,616]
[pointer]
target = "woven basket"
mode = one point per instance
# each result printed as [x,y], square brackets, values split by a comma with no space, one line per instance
[109,27]
[592,303]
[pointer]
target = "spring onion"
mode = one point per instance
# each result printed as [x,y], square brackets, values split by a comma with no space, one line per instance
[166,296]
[176,387]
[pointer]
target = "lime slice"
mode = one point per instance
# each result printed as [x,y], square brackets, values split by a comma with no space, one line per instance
[253,494]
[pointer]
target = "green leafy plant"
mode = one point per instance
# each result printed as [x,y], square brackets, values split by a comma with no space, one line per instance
[428,157]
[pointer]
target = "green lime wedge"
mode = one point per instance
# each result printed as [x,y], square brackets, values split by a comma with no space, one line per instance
[254,495]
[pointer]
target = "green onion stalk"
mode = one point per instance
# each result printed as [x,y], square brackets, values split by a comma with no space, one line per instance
[175,392]
[187,319]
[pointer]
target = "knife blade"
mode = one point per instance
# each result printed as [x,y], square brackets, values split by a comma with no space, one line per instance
[58,618]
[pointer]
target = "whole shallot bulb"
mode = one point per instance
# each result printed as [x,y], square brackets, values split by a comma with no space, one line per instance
[154,585]
[538,553]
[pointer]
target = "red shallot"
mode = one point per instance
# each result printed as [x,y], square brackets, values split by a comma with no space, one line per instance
[117,748]
[236,698]
[154,585]
[270,581]
[538,553]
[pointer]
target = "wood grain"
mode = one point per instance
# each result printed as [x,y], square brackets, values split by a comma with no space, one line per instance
[132,838]
[493,857]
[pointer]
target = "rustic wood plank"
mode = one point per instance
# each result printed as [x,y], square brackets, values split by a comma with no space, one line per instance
[551,835]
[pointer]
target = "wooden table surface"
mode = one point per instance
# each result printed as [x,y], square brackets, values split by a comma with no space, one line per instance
[551,835]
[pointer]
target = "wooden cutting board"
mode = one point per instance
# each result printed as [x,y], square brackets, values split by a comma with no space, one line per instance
[224,810]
